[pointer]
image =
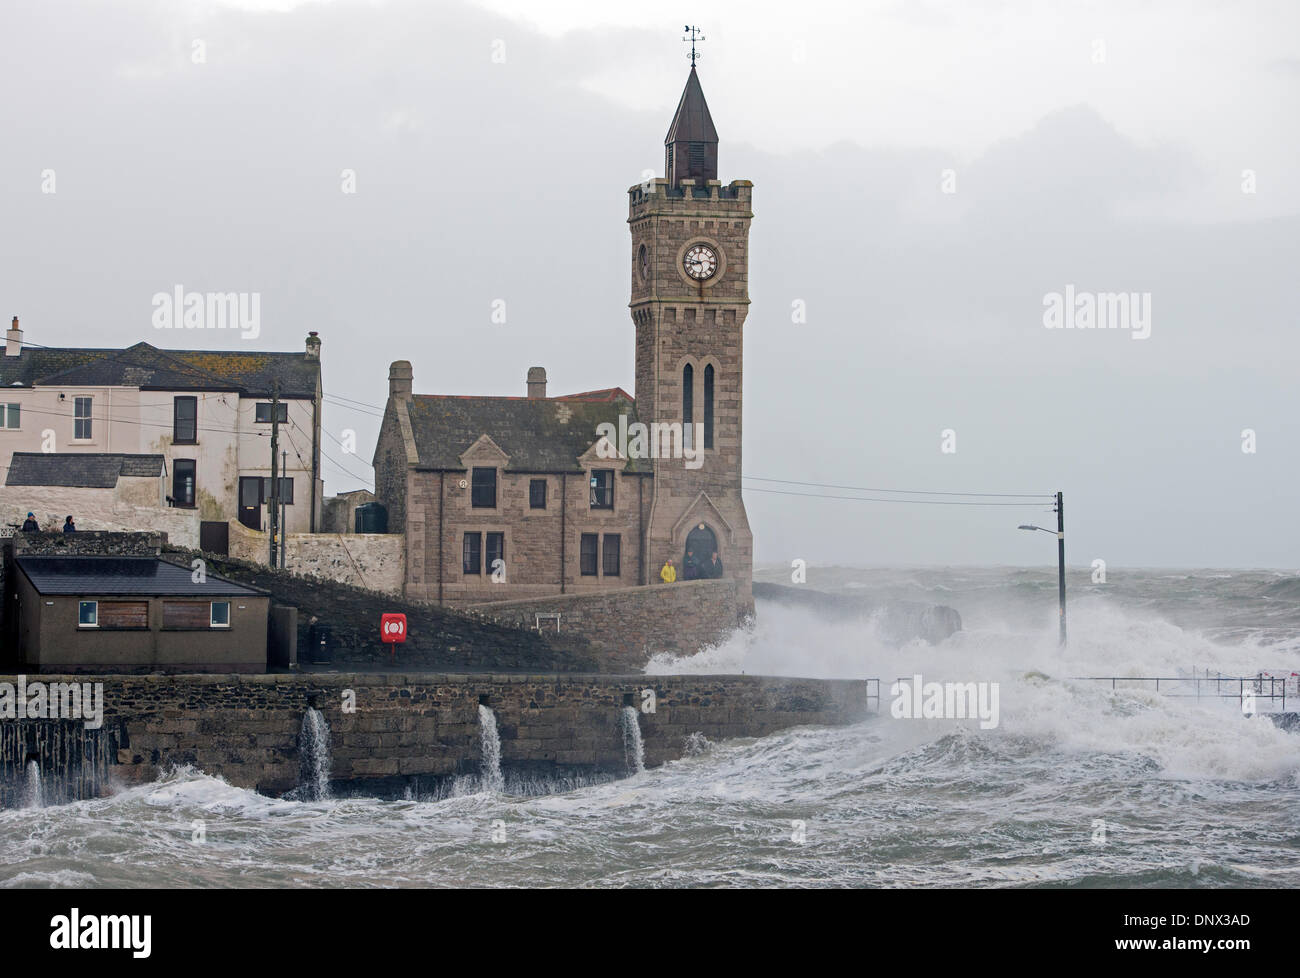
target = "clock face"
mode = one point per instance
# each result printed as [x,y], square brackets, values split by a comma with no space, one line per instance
[700,262]
[645,263]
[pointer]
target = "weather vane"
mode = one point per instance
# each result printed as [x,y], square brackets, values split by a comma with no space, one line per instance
[694,35]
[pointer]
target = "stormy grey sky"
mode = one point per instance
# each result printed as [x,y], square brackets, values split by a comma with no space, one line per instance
[1101,145]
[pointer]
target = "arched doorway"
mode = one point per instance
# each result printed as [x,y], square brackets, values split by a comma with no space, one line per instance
[701,545]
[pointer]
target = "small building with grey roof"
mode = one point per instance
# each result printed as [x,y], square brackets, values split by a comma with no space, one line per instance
[133,614]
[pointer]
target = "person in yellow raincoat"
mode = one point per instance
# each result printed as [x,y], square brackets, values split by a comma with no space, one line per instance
[669,573]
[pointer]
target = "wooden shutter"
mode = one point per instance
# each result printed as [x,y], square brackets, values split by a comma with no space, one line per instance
[186,614]
[124,614]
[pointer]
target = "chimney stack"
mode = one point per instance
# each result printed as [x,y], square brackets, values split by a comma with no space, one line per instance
[313,346]
[536,382]
[14,340]
[399,379]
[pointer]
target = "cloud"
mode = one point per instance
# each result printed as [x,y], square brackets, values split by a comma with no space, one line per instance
[481,181]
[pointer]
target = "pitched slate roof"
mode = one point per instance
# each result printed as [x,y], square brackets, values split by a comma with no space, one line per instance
[144,365]
[540,434]
[124,576]
[89,470]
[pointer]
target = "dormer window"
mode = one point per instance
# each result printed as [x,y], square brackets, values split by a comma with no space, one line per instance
[483,488]
[602,489]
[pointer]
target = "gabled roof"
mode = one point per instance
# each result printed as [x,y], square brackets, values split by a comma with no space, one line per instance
[539,434]
[692,122]
[141,366]
[82,470]
[144,576]
[144,365]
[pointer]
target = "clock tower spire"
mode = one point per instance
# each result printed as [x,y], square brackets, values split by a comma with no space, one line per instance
[691,146]
[690,297]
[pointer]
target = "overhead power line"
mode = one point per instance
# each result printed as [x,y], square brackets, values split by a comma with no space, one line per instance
[25,409]
[877,499]
[907,492]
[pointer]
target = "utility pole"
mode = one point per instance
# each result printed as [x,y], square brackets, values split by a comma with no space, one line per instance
[284,516]
[1060,557]
[273,510]
[1060,553]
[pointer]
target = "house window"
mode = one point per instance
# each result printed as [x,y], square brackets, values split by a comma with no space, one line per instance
[688,405]
[472,553]
[286,491]
[263,412]
[81,429]
[183,482]
[12,415]
[483,491]
[708,406]
[611,555]
[88,614]
[496,550]
[185,416]
[602,489]
[220,614]
[537,494]
[587,555]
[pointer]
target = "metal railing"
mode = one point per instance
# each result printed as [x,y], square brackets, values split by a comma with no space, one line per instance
[1262,689]
[1271,689]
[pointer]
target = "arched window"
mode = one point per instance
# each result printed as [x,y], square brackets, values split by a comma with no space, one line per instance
[688,405]
[708,406]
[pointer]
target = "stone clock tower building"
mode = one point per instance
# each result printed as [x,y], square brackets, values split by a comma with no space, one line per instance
[690,296]
[524,499]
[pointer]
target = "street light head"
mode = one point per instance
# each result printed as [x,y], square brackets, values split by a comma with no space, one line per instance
[1023,526]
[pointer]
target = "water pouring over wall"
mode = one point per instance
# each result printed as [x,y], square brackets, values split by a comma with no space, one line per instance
[314,762]
[32,794]
[633,747]
[490,746]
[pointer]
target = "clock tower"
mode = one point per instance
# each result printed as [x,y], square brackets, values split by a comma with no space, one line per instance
[690,296]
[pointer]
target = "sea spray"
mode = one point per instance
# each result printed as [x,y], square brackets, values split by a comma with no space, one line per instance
[490,741]
[1213,797]
[32,794]
[633,747]
[314,760]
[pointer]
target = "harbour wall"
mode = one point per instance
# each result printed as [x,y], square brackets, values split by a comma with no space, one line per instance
[246,728]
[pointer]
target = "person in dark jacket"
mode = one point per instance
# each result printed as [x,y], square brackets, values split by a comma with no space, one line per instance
[690,567]
[69,526]
[714,567]
[30,525]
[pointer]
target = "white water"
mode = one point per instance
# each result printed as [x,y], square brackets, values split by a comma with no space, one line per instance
[32,794]
[490,741]
[1191,794]
[633,747]
[315,762]
[1185,737]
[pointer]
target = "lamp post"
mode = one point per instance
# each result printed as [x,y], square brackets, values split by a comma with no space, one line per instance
[1060,553]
